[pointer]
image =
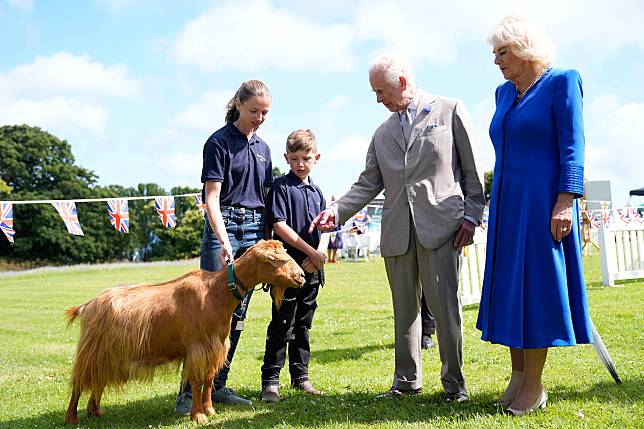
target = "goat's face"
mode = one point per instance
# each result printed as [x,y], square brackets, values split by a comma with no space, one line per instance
[277,268]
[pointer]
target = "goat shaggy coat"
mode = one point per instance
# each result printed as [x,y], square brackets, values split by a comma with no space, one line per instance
[127,331]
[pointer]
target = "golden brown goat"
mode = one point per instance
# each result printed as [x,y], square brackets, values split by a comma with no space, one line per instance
[127,331]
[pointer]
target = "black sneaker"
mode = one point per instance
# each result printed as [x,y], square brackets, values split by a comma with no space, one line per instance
[183,404]
[426,342]
[226,395]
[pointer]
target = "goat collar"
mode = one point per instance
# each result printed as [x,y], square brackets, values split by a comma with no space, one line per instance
[233,282]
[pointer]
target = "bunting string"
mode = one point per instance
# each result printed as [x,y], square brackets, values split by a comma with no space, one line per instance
[117,209]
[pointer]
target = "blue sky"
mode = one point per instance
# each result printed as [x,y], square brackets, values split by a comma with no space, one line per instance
[137,86]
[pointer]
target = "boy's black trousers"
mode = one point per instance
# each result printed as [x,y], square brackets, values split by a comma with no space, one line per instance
[289,328]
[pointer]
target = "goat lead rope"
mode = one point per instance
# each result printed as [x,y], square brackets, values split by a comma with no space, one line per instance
[231,283]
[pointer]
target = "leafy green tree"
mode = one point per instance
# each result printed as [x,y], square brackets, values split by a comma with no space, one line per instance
[184,240]
[5,189]
[488,176]
[277,172]
[38,165]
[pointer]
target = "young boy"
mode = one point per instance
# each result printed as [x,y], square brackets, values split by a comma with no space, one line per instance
[293,202]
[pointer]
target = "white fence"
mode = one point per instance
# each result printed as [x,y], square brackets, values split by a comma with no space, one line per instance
[358,246]
[622,252]
[472,268]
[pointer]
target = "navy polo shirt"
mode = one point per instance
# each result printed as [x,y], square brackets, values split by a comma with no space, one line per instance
[296,203]
[242,166]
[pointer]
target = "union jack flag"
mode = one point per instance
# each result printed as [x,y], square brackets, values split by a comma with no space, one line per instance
[165,208]
[200,204]
[6,220]
[67,211]
[119,215]
[360,221]
[606,217]
[595,221]
[639,217]
[625,216]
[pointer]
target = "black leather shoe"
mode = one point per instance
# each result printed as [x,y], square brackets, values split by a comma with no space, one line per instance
[456,397]
[426,342]
[397,393]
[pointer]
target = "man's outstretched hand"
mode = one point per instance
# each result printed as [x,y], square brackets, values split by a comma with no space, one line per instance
[324,221]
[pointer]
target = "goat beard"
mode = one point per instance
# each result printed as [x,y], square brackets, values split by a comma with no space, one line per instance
[277,292]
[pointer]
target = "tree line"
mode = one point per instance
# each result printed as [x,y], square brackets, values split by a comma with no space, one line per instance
[35,164]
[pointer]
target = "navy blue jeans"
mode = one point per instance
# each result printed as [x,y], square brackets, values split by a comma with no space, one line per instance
[245,228]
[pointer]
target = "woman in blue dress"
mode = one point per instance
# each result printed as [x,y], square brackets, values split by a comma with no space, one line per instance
[534,295]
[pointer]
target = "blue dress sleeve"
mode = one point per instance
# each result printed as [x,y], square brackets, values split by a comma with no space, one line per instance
[569,122]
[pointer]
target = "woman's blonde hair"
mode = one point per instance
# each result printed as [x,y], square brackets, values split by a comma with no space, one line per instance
[248,89]
[526,40]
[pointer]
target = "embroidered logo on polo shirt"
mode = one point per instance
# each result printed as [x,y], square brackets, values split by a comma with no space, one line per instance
[261,158]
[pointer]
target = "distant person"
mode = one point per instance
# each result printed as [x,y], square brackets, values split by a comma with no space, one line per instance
[237,171]
[336,241]
[428,325]
[534,296]
[293,202]
[425,159]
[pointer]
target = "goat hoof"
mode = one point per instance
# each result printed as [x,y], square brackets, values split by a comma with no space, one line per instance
[95,412]
[200,418]
[210,411]
[71,420]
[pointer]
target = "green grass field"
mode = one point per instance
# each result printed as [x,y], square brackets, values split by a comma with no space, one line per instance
[352,361]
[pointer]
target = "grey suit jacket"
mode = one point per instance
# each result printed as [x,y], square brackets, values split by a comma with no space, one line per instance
[438,178]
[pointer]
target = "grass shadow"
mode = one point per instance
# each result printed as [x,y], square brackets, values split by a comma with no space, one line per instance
[155,411]
[363,408]
[619,283]
[299,409]
[348,353]
[628,392]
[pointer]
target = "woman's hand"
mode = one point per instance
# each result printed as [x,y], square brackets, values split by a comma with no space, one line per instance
[226,254]
[561,222]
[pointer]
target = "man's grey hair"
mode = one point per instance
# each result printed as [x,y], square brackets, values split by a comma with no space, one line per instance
[393,67]
[527,40]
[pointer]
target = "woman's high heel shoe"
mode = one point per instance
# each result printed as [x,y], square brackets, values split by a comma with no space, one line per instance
[539,404]
[511,391]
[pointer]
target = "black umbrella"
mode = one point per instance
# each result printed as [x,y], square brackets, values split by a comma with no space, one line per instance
[603,354]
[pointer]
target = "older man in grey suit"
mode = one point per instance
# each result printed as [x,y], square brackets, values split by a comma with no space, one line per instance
[426,161]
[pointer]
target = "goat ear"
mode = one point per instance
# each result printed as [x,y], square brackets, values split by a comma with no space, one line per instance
[277,258]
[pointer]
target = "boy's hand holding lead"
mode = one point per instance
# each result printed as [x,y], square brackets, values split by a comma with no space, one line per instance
[317,258]
[308,266]
[324,221]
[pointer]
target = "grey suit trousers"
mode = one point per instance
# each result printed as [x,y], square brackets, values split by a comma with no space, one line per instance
[436,271]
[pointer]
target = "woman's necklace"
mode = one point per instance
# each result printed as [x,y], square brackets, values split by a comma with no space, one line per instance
[520,95]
